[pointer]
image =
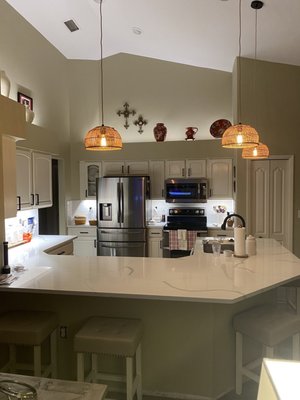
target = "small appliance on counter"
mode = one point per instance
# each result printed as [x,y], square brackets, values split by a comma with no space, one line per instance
[121,223]
[190,219]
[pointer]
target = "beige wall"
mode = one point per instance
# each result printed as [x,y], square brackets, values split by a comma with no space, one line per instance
[37,69]
[176,94]
[271,102]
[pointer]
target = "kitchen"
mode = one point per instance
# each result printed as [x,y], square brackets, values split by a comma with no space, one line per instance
[59,122]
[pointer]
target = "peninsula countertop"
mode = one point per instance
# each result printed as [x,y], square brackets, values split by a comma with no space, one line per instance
[201,277]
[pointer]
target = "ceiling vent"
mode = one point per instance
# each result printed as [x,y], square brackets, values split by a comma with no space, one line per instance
[70,24]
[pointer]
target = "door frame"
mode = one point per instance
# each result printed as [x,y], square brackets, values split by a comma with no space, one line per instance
[290,195]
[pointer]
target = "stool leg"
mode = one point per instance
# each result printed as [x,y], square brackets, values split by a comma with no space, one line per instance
[12,358]
[138,361]
[238,363]
[129,378]
[296,346]
[37,362]
[80,367]
[53,353]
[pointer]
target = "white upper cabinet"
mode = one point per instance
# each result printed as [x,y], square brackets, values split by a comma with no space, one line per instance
[196,168]
[157,179]
[125,168]
[42,179]
[219,174]
[185,168]
[25,198]
[34,179]
[89,172]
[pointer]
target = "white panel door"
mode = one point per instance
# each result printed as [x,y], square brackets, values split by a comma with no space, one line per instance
[25,197]
[157,179]
[219,174]
[270,190]
[196,168]
[42,179]
[260,199]
[175,169]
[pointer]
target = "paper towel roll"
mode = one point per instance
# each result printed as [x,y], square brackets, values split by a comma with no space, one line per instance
[239,242]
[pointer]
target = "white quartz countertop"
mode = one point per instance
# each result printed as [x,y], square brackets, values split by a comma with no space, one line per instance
[55,389]
[201,277]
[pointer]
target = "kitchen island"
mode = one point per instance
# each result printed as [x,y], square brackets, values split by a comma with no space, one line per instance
[186,306]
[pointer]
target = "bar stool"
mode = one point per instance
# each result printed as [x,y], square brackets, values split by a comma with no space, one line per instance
[268,325]
[116,337]
[30,328]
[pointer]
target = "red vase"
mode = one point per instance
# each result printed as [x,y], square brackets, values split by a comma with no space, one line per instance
[160,132]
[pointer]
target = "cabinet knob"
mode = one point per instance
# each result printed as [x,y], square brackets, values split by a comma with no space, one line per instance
[37,202]
[32,199]
[95,243]
[182,172]
[189,171]
[128,169]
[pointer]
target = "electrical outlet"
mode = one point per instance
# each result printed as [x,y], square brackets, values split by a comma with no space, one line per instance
[63,332]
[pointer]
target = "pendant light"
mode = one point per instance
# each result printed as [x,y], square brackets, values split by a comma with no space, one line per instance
[102,138]
[240,136]
[261,151]
[257,152]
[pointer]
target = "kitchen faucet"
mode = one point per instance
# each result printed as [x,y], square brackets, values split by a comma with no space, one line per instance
[223,226]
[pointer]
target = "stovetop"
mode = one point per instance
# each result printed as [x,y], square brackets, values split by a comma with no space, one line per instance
[192,218]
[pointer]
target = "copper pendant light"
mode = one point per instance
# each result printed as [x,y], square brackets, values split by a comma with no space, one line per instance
[102,138]
[240,136]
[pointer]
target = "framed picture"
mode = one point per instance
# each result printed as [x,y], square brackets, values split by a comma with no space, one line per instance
[26,100]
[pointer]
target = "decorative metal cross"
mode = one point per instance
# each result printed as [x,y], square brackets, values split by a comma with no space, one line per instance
[140,122]
[126,114]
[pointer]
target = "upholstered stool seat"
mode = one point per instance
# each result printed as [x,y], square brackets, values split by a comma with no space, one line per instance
[269,325]
[30,328]
[116,337]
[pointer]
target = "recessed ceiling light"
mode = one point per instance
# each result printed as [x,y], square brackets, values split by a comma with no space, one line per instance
[136,30]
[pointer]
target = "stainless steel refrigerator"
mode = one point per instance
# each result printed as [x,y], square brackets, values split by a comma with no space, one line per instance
[121,216]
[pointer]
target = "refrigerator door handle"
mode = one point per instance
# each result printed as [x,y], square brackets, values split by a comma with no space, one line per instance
[119,201]
[122,203]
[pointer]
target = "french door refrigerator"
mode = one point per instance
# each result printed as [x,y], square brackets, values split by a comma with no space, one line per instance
[121,216]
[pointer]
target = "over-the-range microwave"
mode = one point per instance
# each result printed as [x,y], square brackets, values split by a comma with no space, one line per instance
[186,190]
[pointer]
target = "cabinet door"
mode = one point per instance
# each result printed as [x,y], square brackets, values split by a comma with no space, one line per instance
[85,247]
[219,173]
[157,179]
[136,168]
[25,192]
[113,168]
[155,247]
[8,168]
[196,168]
[89,172]
[42,179]
[175,169]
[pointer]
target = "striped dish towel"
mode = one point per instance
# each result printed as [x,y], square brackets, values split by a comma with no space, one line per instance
[191,239]
[173,240]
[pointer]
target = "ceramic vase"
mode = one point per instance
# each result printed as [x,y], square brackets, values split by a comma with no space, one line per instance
[160,132]
[4,84]
[29,115]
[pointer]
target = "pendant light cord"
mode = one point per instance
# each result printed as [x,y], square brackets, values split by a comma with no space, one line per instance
[100,86]
[239,64]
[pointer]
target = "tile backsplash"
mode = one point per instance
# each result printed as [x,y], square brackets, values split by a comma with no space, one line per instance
[25,222]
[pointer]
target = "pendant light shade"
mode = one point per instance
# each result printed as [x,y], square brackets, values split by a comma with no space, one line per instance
[103,138]
[240,136]
[256,153]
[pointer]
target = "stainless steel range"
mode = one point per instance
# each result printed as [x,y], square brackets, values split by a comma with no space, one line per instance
[190,219]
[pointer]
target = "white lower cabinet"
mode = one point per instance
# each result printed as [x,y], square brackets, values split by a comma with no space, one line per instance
[86,242]
[212,232]
[155,237]
[62,249]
